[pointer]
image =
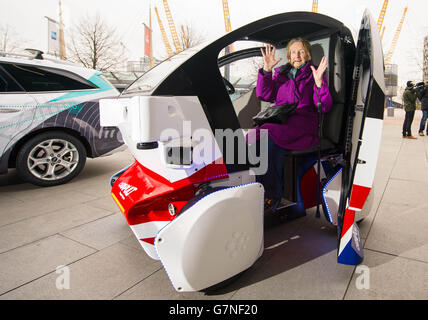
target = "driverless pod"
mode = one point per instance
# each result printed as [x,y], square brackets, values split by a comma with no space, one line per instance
[200,213]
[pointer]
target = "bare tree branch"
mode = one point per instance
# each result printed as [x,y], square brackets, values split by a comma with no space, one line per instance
[190,38]
[96,45]
[9,39]
[415,53]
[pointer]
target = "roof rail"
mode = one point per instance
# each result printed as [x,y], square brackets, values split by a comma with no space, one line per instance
[35,54]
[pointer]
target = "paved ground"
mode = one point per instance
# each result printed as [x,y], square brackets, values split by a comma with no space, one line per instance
[78,225]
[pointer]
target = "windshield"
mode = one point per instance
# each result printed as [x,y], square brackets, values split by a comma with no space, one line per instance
[149,81]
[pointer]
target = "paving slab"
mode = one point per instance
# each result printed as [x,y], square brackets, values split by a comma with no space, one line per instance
[12,212]
[412,193]
[411,163]
[302,266]
[24,264]
[105,202]
[103,275]
[401,229]
[390,278]
[132,242]
[101,233]
[80,226]
[31,193]
[7,201]
[33,229]
[158,287]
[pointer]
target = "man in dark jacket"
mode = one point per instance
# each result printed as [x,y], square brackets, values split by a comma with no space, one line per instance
[422,93]
[409,101]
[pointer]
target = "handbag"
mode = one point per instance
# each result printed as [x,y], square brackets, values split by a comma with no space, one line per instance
[277,114]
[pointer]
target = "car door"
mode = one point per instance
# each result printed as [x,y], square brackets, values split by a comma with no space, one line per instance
[240,70]
[363,138]
[17,109]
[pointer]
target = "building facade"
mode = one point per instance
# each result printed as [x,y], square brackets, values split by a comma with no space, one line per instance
[425,71]
[141,65]
[391,80]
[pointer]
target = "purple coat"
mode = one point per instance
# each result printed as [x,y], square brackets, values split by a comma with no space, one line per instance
[300,132]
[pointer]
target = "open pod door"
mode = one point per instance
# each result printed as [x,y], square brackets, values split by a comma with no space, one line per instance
[364,131]
[216,238]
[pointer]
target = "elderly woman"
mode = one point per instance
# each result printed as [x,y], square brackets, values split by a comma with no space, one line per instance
[297,81]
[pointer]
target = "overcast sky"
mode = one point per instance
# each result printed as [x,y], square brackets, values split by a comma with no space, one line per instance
[26,17]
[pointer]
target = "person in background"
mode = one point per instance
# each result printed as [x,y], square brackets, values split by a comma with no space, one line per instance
[422,93]
[409,101]
[297,81]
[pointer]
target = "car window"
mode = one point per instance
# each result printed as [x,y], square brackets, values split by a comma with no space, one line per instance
[242,74]
[240,64]
[240,69]
[36,79]
[155,76]
[7,84]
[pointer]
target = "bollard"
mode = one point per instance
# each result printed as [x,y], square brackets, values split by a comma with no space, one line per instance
[390,111]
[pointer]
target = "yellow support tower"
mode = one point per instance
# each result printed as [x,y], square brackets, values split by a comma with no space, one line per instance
[227,25]
[164,37]
[61,35]
[394,41]
[382,15]
[383,32]
[175,39]
[151,37]
[314,5]
[185,43]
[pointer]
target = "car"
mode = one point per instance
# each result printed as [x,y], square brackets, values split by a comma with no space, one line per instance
[191,198]
[49,118]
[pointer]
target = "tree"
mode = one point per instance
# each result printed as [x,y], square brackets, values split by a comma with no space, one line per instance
[9,40]
[96,45]
[189,37]
[416,54]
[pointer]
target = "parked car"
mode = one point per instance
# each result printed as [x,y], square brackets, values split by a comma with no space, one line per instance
[49,118]
[202,215]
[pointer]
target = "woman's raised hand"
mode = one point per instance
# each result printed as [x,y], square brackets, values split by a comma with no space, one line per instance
[269,58]
[317,73]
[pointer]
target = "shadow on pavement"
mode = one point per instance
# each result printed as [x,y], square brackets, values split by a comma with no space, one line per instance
[287,246]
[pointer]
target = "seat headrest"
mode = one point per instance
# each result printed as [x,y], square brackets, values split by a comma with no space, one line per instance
[317,53]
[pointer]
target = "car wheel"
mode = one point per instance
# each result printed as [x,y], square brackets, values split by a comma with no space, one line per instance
[50,159]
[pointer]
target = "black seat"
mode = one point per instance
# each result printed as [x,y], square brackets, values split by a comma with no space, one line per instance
[252,107]
[333,120]
[298,162]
